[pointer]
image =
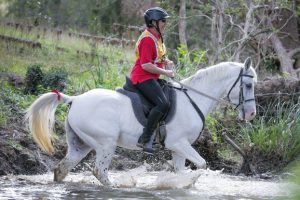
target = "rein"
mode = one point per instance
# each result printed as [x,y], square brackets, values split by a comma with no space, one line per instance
[242,100]
[199,92]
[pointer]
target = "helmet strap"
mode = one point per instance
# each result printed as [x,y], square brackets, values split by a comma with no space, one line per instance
[158,30]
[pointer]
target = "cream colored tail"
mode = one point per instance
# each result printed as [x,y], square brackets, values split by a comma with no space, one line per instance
[41,117]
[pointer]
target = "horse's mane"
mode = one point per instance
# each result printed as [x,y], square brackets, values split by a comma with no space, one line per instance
[215,72]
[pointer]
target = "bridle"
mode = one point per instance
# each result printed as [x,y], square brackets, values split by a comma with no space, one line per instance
[242,100]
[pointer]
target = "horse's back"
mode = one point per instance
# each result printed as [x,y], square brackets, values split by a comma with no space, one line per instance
[95,109]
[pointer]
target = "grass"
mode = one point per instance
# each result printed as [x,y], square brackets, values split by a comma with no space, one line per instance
[276,132]
[112,62]
[15,145]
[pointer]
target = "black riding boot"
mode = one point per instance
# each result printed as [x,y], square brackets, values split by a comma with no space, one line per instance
[146,139]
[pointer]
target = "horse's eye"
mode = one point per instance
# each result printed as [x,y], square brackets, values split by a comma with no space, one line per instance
[249,85]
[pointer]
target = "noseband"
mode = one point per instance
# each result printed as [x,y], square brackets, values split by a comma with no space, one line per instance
[242,100]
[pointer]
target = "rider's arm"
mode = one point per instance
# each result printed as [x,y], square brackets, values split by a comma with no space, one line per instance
[147,50]
[152,68]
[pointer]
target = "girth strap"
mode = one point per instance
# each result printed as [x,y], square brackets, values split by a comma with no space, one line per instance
[199,112]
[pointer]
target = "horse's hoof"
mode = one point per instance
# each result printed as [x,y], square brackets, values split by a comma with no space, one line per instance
[140,145]
[59,175]
[150,151]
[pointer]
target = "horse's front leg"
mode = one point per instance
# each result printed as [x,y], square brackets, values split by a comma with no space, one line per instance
[182,150]
[178,162]
[104,154]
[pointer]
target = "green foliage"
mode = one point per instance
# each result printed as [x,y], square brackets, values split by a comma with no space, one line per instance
[94,15]
[15,145]
[211,124]
[3,120]
[235,11]
[34,78]
[189,61]
[57,79]
[183,55]
[37,82]
[270,64]
[98,76]
[276,133]
[295,169]
[13,102]
[206,7]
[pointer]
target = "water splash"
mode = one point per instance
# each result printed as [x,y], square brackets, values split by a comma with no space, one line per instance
[139,183]
[184,179]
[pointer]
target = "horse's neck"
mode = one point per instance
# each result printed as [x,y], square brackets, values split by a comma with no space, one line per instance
[212,84]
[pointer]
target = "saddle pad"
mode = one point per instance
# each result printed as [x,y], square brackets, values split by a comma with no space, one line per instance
[138,106]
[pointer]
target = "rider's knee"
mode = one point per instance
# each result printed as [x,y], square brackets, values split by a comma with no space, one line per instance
[164,107]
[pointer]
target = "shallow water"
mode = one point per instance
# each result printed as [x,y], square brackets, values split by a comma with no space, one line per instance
[140,184]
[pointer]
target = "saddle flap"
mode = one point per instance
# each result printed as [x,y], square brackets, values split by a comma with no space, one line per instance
[141,105]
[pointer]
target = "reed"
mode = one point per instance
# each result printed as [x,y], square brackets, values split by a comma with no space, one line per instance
[276,132]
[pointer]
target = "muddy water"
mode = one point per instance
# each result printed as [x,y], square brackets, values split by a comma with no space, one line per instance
[140,184]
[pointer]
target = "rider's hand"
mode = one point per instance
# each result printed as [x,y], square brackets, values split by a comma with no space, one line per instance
[169,73]
[169,65]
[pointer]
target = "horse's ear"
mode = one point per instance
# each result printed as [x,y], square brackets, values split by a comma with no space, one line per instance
[247,63]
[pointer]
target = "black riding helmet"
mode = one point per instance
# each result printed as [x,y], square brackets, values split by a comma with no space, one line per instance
[155,14]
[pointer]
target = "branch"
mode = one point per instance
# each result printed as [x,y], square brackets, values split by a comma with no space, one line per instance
[233,144]
[206,16]
[293,52]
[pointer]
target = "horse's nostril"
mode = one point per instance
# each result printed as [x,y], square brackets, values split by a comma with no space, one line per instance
[253,113]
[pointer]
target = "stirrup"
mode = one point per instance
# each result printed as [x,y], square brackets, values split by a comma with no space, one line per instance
[149,148]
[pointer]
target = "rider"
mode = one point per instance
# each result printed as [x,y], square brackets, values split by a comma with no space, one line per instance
[150,62]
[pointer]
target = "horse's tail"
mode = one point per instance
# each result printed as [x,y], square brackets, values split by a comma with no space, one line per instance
[41,117]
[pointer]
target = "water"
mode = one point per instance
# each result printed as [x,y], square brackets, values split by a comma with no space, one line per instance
[139,184]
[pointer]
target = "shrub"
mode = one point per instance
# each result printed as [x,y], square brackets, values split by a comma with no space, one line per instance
[34,78]
[57,79]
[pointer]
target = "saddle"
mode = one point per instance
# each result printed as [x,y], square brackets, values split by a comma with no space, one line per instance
[142,106]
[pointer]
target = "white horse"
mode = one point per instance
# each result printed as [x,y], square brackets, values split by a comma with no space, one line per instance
[103,119]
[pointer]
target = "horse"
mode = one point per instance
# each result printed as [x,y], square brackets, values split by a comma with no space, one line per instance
[103,119]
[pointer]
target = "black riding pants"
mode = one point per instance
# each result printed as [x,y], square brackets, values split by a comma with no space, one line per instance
[152,90]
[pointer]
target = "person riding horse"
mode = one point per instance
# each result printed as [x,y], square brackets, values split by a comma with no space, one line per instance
[151,62]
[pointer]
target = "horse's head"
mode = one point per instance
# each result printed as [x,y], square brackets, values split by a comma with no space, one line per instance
[241,93]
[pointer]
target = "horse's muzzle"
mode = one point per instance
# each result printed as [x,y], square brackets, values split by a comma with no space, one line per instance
[249,114]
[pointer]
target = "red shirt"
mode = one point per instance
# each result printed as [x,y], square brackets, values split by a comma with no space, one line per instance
[147,54]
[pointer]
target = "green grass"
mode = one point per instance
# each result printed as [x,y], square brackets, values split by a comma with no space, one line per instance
[107,69]
[275,132]
[15,144]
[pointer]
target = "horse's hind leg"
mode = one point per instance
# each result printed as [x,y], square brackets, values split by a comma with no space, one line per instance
[104,154]
[77,150]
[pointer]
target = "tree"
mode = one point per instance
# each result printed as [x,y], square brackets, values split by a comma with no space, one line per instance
[182,23]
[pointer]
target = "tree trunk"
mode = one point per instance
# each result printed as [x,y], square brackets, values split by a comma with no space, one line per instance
[217,30]
[286,64]
[282,49]
[182,23]
[245,35]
